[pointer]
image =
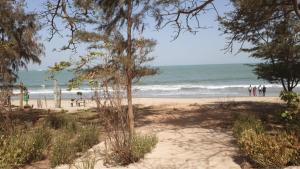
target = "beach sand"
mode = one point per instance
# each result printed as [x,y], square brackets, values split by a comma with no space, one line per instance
[192,133]
[166,102]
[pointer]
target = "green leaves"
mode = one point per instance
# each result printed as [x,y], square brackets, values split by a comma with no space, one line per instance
[52,71]
[272,36]
[18,43]
[292,101]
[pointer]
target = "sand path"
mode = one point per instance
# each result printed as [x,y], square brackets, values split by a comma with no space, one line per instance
[191,135]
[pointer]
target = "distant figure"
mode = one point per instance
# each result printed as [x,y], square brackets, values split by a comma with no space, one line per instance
[26,97]
[254,91]
[260,90]
[250,90]
[264,89]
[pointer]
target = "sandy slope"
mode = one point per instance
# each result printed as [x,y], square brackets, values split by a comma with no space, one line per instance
[193,133]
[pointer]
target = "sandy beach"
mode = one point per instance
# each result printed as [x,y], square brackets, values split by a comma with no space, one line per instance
[192,133]
[166,102]
[140,84]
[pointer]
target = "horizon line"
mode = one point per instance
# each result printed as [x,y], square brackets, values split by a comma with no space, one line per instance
[166,65]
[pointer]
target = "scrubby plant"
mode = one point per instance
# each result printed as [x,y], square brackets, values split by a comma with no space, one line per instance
[87,137]
[66,146]
[269,151]
[23,147]
[63,151]
[127,152]
[243,123]
[61,121]
[291,98]
[292,101]
[142,144]
[89,161]
[41,138]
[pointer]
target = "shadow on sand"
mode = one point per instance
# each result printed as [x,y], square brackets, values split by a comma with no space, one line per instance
[217,116]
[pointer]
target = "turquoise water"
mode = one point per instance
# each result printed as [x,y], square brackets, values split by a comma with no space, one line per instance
[171,81]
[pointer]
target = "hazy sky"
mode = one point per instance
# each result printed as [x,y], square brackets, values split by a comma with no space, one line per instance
[203,48]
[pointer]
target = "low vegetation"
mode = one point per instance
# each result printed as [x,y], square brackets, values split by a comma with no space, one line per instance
[23,147]
[268,149]
[142,144]
[59,137]
[244,123]
[87,137]
[292,105]
[61,121]
[62,151]
[126,153]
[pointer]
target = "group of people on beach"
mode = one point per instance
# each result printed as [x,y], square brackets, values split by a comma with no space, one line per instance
[261,90]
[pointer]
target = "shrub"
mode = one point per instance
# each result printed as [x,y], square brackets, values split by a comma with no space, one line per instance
[125,152]
[142,144]
[88,137]
[245,123]
[23,147]
[41,138]
[267,150]
[61,121]
[63,152]
[66,146]
[291,98]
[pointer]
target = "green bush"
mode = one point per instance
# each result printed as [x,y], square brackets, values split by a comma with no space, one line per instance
[61,121]
[63,151]
[41,138]
[88,137]
[142,144]
[23,147]
[291,98]
[270,151]
[245,123]
[125,152]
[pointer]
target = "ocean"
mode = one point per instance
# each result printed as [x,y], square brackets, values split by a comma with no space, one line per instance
[191,81]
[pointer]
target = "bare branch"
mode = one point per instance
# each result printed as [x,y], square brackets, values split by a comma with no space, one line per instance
[182,15]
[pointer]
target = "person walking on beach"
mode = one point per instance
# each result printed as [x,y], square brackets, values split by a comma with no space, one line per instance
[260,90]
[254,91]
[264,89]
[250,90]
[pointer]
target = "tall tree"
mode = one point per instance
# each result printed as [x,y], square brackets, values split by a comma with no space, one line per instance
[272,34]
[18,40]
[123,16]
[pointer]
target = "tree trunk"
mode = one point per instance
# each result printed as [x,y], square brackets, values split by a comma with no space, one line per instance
[129,70]
[283,85]
[130,109]
[57,93]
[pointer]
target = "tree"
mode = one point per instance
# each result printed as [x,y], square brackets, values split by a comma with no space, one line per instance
[18,41]
[273,37]
[128,15]
[52,71]
[183,14]
[123,16]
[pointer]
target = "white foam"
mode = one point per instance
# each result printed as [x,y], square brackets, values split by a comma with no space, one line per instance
[192,86]
[158,88]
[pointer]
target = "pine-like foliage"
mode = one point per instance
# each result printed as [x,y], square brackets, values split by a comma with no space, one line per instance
[271,32]
[18,40]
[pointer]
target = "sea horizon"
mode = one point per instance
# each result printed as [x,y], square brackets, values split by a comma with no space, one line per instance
[172,81]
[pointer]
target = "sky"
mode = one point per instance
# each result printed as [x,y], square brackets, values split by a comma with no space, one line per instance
[205,47]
